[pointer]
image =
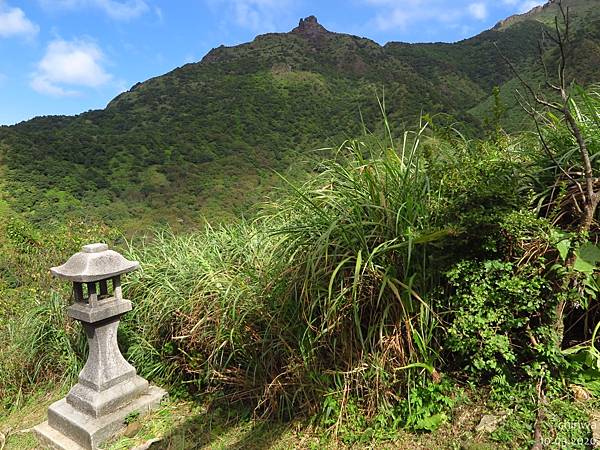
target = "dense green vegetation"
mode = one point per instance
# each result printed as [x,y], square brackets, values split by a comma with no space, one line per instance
[411,275]
[374,297]
[204,139]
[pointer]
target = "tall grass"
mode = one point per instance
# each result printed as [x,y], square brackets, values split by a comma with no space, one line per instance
[199,304]
[354,241]
[45,345]
[324,294]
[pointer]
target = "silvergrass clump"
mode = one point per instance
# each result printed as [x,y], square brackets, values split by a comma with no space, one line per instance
[354,241]
[324,294]
[199,305]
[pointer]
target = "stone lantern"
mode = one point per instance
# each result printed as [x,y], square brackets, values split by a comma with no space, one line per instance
[108,388]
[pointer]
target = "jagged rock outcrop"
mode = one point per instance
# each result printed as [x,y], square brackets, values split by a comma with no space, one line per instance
[310,26]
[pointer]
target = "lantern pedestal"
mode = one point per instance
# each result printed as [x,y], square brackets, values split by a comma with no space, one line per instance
[108,388]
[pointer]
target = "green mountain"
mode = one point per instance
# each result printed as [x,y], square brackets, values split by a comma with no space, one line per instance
[205,139]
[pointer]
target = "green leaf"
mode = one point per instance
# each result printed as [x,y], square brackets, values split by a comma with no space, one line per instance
[586,258]
[431,423]
[589,252]
[563,248]
[582,265]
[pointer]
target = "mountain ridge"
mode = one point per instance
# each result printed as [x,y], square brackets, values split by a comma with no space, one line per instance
[204,139]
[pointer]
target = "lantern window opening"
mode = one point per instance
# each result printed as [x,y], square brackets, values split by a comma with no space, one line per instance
[78,293]
[94,291]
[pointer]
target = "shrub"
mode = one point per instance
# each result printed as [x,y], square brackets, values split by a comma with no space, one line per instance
[499,317]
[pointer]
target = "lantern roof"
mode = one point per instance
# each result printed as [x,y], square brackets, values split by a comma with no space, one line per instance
[93,263]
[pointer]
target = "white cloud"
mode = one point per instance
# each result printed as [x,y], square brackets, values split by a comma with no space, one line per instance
[427,15]
[530,4]
[69,63]
[159,14]
[256,15]
[478,10]
[44,86]
[391,14]
[119,10]
[14,22]
[123,10]
[396,18]
[524,5]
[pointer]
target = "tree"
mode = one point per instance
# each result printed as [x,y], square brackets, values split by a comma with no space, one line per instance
[536,103]
[557,100]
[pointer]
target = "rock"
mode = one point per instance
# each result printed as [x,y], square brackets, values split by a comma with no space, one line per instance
[490,423]
[132,429]
[147,445]
[579,392]
[310,27]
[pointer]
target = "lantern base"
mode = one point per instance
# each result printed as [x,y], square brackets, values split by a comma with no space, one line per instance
[98,404]
[71,429]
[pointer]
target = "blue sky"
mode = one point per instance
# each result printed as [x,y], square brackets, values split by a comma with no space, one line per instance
[69,56]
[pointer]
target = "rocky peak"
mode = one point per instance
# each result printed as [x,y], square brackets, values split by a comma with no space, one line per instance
[309,26]
[528,14]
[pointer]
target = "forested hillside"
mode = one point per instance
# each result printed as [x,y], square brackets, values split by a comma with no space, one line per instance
[206,138]
[431,282]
